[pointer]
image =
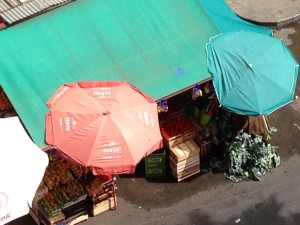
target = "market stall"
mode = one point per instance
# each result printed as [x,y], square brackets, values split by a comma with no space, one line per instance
[184,124]
[69,194]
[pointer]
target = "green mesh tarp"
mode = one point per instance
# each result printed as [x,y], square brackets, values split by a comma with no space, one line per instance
[158,46]
[227,21]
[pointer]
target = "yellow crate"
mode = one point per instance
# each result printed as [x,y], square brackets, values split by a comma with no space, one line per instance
[184,150]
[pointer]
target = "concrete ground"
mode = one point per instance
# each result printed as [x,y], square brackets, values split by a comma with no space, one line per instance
[279,12]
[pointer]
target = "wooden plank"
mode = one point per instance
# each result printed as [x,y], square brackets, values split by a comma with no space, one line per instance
[187,176]
[186,164]
[79,219]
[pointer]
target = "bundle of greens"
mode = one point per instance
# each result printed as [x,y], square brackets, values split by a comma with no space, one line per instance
[249,156]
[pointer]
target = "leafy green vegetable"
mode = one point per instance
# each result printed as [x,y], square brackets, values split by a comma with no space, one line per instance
[251,157]
[248,156]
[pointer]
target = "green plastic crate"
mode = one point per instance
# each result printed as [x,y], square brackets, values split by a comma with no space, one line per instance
[155,164]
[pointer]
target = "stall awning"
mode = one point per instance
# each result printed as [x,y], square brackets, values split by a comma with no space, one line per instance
[158,46]
[227,21]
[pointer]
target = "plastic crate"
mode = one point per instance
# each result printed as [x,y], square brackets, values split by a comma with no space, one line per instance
[155,164]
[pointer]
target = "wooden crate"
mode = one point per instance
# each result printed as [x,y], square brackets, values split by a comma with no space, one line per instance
[99,198]
[186,163]
[102,206]
[170,142]
[189,135]
[77,220]
[58,218]
[205,150]
[184,150]
[185,174]
[184,160]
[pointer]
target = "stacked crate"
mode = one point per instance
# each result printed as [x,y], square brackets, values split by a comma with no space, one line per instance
[101,195]
[184,160]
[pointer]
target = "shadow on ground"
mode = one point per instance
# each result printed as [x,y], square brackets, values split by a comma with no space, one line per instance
[264,213]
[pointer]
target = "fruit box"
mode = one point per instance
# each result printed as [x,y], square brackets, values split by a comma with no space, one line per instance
[102,206]
[54,219]
[172,141]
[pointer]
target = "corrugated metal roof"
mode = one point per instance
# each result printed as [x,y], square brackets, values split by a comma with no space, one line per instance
[13,11]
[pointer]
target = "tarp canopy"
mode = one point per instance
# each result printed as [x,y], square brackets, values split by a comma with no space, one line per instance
[226,20]
[158,46]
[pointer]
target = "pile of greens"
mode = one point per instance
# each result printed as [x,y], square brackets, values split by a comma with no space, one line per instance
[248,156]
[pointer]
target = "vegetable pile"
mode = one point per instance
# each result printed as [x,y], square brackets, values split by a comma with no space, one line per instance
[248,156]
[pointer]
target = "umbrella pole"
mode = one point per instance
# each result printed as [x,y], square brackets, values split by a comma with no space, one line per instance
[265,122]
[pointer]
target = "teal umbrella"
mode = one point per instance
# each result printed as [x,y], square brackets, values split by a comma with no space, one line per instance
[253,74]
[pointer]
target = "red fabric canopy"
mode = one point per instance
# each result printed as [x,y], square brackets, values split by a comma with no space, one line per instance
[108,125]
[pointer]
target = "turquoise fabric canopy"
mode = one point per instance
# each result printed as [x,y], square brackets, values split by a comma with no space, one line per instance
[253,74]
[158,46]
[227,21]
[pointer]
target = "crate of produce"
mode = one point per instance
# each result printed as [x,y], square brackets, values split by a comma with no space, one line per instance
[75,210]
[103,206]
[57,173]
[184,150]
[177,130]
[189,134]
[69,193]
[95,185]
[173,140]
[100,197]
[41,192]
[185,174]
[49,205]
[155,164]
[55,219]
[5,104]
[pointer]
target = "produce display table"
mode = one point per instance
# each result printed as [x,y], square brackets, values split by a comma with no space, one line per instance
[66,195]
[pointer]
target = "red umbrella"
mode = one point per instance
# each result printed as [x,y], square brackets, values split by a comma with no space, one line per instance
[107,125]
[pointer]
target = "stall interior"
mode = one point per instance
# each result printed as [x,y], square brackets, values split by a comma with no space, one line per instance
[189,126]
